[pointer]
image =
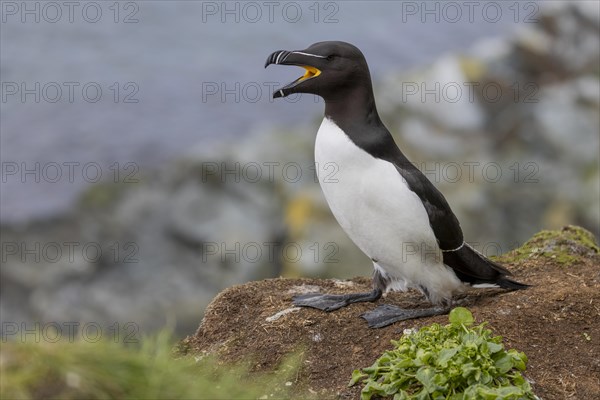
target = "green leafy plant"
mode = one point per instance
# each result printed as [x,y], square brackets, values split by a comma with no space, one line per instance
[455,361]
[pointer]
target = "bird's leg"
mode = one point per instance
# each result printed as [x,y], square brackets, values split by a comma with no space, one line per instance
[331,302]
[387,314]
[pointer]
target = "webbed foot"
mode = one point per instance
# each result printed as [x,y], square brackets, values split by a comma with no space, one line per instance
[387,314]
[331,302]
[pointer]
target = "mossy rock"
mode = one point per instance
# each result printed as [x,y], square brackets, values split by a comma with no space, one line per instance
[564,246]
[102,195]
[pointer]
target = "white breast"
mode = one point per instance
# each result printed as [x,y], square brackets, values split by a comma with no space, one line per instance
[379,212]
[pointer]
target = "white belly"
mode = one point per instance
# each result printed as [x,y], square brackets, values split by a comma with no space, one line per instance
[379,212]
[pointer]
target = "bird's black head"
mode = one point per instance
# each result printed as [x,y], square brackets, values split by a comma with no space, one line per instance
[333,70]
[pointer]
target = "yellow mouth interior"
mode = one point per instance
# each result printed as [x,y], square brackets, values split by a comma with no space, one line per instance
[311,72]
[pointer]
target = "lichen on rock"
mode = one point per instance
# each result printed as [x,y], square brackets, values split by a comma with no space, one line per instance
[563,246]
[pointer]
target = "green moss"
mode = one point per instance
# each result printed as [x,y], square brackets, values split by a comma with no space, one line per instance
[565,246]
[102,195]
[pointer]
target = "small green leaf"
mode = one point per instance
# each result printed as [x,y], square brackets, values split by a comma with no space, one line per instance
[445,356]
[519,359]
[504,363]
[356,376]
[494,347]
[461,315]
[401,395]
[425,376]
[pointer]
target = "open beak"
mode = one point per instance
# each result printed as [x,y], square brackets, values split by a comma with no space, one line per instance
[298,58]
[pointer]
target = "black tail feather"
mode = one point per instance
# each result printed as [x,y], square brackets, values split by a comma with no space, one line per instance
[506,283]
[473,267]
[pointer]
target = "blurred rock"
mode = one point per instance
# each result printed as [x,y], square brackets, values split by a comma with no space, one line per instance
[438,93]
[172,241]
[565,43]
[567,123]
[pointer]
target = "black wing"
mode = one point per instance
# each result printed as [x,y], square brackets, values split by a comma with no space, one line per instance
[468,264]
[444,223]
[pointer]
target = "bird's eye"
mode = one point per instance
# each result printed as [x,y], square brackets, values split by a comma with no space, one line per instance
[330,57]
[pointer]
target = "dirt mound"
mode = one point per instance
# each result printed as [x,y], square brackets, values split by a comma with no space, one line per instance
[556,322]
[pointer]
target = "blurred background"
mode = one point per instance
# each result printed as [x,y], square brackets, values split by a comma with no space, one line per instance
[145,166]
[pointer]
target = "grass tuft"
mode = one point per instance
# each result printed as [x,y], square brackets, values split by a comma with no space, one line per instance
[108,370]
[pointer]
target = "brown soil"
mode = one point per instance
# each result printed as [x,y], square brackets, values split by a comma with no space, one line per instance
[556,323]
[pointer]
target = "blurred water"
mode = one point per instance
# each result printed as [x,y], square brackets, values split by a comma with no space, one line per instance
[166,61]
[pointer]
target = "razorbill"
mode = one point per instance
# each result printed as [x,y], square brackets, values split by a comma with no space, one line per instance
[390,210]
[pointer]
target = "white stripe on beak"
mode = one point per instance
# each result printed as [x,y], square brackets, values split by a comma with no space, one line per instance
[307,54]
